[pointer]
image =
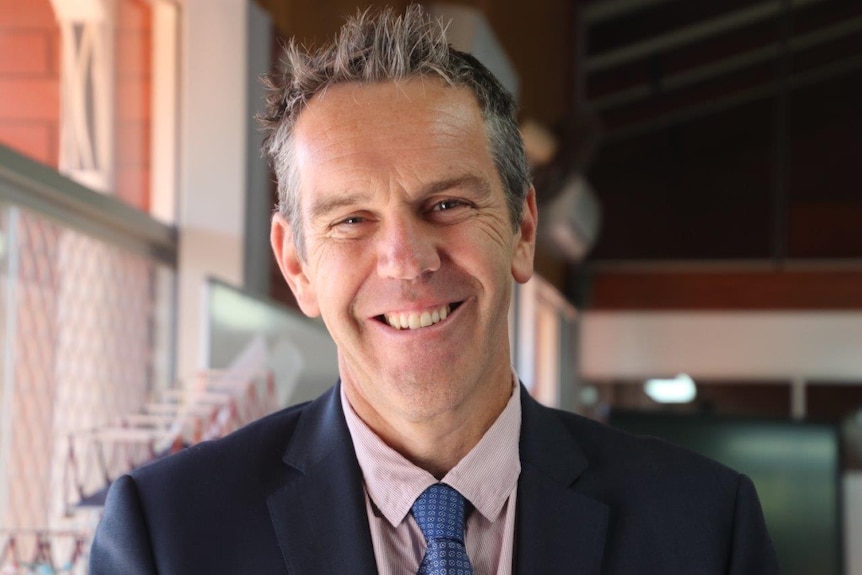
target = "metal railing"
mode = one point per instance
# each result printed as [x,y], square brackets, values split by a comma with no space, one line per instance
[43,552]
[215,404]
[28,184]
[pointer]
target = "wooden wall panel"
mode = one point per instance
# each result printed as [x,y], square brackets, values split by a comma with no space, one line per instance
[30,79]
[789,290]
[538,39]
[133,48]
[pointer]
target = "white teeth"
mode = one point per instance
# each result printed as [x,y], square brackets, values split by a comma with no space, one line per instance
[416,320]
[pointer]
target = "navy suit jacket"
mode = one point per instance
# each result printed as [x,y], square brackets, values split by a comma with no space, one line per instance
[284,495]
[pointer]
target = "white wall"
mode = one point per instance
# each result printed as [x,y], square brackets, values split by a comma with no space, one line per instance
[718,345]
[215,158]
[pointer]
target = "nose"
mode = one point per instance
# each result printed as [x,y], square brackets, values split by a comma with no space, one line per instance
[406,249]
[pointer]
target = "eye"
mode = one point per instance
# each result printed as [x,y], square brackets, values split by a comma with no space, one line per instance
[447,205]
[348,227]
[450,211]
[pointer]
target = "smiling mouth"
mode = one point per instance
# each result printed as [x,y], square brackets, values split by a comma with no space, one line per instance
[418,320]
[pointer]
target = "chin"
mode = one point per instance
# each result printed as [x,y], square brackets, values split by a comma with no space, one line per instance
[428,396]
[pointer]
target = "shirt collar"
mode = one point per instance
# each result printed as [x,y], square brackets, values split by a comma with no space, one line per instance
[485,476]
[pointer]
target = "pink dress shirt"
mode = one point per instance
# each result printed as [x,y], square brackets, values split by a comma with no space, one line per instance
[487,477]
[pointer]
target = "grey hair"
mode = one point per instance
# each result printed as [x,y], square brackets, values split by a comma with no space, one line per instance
[378,47]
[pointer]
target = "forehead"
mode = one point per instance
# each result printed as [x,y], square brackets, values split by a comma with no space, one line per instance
[415,123]
[421,98]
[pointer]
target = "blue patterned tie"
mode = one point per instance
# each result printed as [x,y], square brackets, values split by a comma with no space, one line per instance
[439,512]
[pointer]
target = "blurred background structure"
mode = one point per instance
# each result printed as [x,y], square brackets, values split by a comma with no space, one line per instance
[700,265]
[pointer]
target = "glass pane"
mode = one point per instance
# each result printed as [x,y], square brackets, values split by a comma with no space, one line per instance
[85,337]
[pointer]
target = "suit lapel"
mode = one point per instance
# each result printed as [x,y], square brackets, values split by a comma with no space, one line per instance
[321,524]
[319,514]
[558,529]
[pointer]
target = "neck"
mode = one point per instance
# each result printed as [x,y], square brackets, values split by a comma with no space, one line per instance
[435,442]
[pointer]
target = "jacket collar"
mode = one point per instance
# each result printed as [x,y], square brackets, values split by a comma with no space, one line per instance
[557,529]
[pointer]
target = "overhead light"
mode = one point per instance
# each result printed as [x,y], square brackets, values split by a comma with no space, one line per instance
[680,389]
[589,395]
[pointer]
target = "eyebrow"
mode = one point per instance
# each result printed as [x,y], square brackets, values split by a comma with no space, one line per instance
[323,206]
[471,181]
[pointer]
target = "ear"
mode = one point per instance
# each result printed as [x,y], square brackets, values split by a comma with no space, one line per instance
[525,241]
[292,267]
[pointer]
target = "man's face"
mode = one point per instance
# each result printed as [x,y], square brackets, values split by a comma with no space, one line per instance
[409,247]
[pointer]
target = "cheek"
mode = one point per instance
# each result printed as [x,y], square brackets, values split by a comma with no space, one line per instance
[339,278]
[496,230]
[488,253]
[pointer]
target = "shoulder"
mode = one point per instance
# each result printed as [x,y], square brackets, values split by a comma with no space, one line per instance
[254,450]
[172,512]
[669,508]
[604,444]
[622,466]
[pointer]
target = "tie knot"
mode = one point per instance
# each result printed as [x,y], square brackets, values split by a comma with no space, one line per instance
[439,512]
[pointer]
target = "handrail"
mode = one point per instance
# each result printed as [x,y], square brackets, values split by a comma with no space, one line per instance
[27,183]
[217,403]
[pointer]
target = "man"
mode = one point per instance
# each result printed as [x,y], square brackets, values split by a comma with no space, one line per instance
[405,212]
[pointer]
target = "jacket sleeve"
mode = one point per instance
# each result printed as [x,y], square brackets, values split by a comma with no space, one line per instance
[752,552]
[122,542]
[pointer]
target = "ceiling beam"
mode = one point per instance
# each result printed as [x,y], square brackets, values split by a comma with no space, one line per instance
[823,73]
[726,65]
[689,34]
[599,12]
